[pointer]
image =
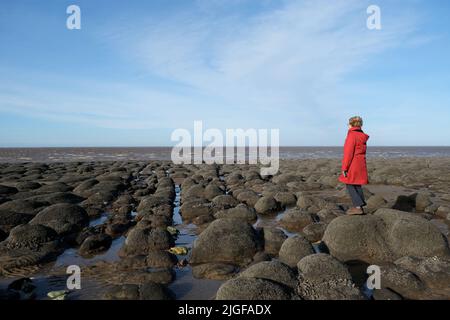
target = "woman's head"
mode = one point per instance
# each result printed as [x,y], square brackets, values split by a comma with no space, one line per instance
[355,122]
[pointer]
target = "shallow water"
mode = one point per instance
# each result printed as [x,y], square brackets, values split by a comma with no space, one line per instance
[164,153]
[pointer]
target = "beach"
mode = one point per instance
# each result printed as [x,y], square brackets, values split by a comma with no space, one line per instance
[147,229]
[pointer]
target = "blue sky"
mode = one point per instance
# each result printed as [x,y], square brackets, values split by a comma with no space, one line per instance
[137,70]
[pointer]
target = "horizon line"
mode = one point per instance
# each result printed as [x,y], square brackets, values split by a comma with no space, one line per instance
[161,146]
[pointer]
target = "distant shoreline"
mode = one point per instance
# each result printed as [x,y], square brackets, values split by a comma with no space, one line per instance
[85,154]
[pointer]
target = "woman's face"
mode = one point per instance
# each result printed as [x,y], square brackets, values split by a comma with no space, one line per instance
[349,125]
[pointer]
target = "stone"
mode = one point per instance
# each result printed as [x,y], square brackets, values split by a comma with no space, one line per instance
[9,219]
[95,244]
[314,231]
[272,270]
[143,241]
[285,199]
[322,277]
[214,271]
[295,219]
[273,240]
[294,249]
[266,205]
[23,206]
[30,236]
[161,259]
[383,237]
[63,218]
[248,197]
[230,241]
[241,211]
[242,288]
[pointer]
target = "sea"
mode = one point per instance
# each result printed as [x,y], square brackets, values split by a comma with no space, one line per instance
[21,155]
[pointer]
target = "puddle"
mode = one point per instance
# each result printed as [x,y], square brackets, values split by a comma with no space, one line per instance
[100,220]
[185,286]
[71,256]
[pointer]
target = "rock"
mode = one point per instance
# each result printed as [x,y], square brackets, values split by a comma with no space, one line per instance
[261,256]
[95,244]
[434,272]
[241,211]
[309,203]
[224,202]
[55,187]
[230,241]
[295,219]
[375,202]
[322,277]
[326,215]
[248,197]
[271,270]
[161,259]
[285,178]
[123,292]
[23,206]
[443,211]
[294,249]
[215,271]
[195,208]
[286,199]
[266,205]
[59,197]
[63,218]
[212,191]
[143,241]
[9,220]
[314,231]
[357,238]
[410,235]
[273,240]
[85,186]
[6,190]
[195,191]
[323,267]
[201,220]
[401,281]
[30,236]
[422,201]
[242,288]
[154,291]
[383,237]
[148,203]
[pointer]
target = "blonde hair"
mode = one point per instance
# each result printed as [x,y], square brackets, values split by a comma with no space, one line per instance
[355,121]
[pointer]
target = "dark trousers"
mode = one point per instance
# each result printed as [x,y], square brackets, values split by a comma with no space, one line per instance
[357,195]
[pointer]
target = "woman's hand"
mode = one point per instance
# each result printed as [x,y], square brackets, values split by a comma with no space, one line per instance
[344,173]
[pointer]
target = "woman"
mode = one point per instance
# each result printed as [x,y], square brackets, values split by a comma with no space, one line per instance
[354,169]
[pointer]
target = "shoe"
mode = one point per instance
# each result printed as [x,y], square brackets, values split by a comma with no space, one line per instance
[355,211]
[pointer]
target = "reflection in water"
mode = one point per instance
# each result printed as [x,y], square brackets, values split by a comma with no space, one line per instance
[186,287]
[71,256]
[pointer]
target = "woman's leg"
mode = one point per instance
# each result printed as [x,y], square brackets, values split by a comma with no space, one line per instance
[357,199]
[360,191]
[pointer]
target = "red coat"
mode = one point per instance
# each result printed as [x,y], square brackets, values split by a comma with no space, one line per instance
[354,160]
